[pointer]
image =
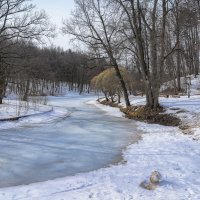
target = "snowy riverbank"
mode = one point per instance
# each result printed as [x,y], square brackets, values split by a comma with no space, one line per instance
[166,149]
[11,109]
[15,114]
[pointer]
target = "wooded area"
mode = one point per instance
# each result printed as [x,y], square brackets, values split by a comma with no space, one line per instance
[158,38]
[156,41]
[26,68]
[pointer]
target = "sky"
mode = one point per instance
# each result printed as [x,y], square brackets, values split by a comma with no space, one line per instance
[57,10]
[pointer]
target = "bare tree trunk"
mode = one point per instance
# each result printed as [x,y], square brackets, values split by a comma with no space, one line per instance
[178,59]
[197,46]
[1,90]
[2,82]
[25,97]
[123,85]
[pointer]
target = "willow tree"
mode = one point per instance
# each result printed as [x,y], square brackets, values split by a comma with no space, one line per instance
[108,83]
[96,23]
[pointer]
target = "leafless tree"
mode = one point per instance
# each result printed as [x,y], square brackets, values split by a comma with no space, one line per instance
[19,20]
[145,24]
[96,23]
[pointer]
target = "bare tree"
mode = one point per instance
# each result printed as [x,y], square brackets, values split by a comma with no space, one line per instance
[145,30]
[19,20]
[96,23]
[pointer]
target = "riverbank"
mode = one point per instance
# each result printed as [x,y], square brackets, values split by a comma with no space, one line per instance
[145,114]
[14,113]
[182,112]
[174,155]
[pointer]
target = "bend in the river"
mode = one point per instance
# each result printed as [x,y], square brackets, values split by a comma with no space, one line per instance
[88,140]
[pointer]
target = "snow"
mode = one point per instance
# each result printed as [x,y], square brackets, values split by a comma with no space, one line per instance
[162,148]
[30,115]
[165,149]
[64,147]
[109,110]
[15,108]
[195,85]
[187,109]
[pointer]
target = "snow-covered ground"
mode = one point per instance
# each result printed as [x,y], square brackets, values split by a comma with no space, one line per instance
[165,149]
[15,108]
[28,113]
[195,87]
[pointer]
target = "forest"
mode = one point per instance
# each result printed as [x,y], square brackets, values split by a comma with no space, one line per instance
[155,41]
[158,39]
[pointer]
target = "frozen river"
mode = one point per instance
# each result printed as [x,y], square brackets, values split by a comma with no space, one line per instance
[87,140]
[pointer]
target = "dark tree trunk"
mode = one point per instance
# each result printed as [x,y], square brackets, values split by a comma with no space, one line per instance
[25,97]
[123,85]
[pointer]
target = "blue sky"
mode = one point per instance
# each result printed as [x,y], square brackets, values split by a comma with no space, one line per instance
[57,10]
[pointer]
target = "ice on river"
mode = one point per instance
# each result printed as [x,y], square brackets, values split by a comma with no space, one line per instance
[161,148]
[87,140]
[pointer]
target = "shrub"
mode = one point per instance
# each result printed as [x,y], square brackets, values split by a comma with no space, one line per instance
[108,83]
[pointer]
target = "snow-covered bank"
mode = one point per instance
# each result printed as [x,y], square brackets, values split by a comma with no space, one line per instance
[174,155]
[14,108]
[109,110]
[186,109]
[28,114]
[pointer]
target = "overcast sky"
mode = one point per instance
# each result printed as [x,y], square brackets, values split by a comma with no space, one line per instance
[57,10]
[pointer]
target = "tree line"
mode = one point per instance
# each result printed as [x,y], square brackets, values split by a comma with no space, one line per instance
[46,71]
[157,38]
[27,68]
[156,41]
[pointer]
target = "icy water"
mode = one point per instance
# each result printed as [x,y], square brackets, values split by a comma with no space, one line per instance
[87,140]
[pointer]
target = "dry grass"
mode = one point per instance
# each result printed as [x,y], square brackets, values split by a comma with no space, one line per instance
[144,113]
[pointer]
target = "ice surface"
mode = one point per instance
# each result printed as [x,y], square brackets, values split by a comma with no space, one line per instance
[87,140]
[175,156]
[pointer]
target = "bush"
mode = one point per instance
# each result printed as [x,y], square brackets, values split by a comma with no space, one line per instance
[108,83]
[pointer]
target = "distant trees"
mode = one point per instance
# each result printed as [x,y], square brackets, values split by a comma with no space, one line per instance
[29,70]
[40,72]
[18,20]
[183,31]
